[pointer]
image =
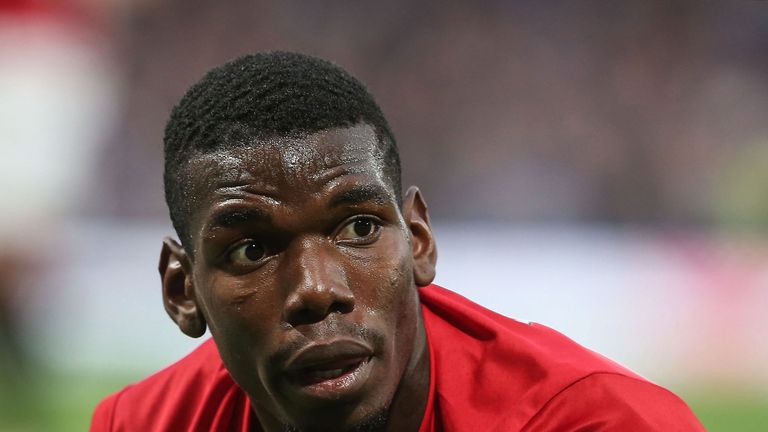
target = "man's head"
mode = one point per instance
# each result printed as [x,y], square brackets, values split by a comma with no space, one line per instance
[299,254]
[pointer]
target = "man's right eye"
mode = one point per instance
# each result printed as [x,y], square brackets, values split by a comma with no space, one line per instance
[247,253]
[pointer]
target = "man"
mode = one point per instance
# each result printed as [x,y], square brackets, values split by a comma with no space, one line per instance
[312,272]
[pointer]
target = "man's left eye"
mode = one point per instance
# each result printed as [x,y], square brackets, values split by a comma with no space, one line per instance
[360,229]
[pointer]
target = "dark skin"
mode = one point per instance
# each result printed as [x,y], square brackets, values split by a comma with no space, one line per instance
[306,269]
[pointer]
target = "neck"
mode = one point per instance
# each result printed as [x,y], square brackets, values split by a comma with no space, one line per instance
[410,400]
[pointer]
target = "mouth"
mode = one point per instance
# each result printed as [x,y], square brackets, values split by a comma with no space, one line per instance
[330,371]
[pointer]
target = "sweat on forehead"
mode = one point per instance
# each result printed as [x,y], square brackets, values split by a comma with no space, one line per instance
[309,146]
[311,155]
[264,96]
[282,166]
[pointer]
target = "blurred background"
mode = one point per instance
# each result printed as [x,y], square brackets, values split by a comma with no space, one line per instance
[595,166]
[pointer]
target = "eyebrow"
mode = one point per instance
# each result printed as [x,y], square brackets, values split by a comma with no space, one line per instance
[240,216]
[360,195]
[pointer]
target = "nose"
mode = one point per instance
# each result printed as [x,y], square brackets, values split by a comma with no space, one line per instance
[317,284]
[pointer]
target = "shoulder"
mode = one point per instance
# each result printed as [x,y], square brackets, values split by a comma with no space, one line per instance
[178,397]
[608,401]
[486,363]
[456,325]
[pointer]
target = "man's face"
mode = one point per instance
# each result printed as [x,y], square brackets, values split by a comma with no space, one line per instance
[303,269]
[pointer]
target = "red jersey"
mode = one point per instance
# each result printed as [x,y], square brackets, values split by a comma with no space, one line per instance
[487,373]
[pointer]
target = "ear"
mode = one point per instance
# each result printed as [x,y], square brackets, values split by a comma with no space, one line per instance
[423,242]
[178,289]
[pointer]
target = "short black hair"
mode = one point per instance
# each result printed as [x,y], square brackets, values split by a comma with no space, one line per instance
[266,95]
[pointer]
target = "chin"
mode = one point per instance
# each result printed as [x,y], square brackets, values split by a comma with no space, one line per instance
[373,422]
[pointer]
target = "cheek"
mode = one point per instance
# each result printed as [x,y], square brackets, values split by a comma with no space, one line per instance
[242,321]
[230,303]
[385,286]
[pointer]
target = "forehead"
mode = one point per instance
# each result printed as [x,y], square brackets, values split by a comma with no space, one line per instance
[296,157]
[285,165]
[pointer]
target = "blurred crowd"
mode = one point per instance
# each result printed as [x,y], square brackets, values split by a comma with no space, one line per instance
[628,112]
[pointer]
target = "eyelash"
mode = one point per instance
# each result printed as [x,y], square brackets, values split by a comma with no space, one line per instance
[376,225]
[367,239]
[245,242]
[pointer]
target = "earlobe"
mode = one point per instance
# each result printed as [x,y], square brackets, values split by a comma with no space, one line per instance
[178,289]
[423,242]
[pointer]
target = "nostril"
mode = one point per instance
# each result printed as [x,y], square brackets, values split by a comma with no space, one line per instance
[342,307]
[304,316]
[310,316]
